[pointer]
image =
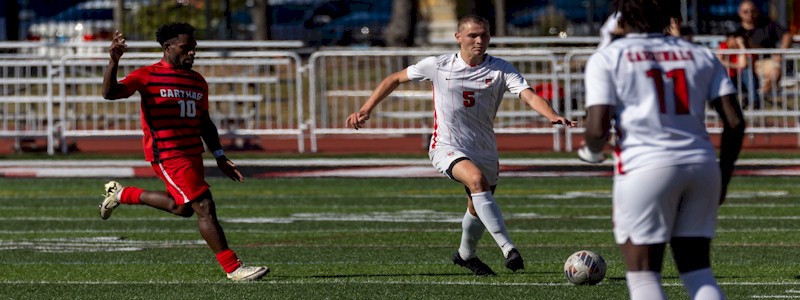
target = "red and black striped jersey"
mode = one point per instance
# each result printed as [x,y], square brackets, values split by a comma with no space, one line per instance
[174,105]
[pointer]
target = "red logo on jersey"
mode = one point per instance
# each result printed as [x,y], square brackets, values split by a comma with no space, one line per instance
[488,81]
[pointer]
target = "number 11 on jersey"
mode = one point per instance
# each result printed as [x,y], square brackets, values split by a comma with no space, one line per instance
[679,89]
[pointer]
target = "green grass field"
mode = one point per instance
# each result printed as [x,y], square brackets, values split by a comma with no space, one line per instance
[364,239]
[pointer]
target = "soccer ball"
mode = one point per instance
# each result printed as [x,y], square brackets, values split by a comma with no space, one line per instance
[585,267]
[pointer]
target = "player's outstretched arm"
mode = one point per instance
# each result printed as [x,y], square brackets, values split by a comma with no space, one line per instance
[543,107]
[732,135]
[211,138]
[386,87]
[111,88]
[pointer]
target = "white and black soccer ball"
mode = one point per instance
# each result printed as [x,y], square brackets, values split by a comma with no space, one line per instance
[585,268]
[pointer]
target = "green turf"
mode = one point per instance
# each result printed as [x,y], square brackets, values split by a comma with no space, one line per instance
[363,239]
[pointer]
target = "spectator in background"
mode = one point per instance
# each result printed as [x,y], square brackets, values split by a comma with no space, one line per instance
[761,32]
[737,65]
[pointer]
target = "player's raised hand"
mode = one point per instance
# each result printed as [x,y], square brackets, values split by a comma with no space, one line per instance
[228,168]
[356,119]
[118,46]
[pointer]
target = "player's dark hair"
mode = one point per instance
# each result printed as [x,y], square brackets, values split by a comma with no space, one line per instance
[472,19]
[647,15]
[170,31]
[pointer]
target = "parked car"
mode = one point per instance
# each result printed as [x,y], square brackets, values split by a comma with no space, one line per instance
[85,21]
[288,21]
[350,22]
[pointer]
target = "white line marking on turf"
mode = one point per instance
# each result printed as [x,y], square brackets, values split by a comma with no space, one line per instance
[391,217]
[91,244]
[350,162]
[390,230]
[372,282]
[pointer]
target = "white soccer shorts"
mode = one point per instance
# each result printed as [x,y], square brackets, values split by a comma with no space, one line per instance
[442,158]
[652,206]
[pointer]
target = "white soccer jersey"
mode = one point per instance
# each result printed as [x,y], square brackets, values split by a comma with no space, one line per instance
[466,99]
[660,86]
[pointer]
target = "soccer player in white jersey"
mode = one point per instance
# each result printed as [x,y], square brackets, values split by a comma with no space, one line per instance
[667,183]
[468,87]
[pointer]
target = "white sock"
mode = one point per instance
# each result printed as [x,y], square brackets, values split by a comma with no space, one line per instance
[701,285]
[489,213]
[645,285]
[471,231]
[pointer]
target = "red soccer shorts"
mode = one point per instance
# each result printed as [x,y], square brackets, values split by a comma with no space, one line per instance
[184,177]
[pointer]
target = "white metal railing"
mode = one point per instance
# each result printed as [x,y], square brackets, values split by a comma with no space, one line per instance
[58,50]
[250,93]
[263,93]
[558,42]
[340,81]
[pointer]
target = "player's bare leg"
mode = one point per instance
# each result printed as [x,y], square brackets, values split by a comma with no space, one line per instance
[163,201]
[209,225]
[482,203]
[116,194]
[643,264]
[692,257]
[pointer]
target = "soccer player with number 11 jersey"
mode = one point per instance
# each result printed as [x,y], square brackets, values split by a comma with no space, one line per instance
[667,182]
[176,122]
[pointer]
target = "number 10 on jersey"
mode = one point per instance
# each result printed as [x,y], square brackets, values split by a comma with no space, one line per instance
[679,89]
[188,108]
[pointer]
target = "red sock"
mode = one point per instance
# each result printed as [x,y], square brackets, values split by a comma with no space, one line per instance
[228,260]
[130,195]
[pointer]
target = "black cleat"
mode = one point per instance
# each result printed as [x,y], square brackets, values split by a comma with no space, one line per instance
[473,264]
[514,261]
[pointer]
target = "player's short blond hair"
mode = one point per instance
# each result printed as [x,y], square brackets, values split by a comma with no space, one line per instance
[475,19]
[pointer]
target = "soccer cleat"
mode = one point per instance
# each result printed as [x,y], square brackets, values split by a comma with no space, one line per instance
[243,273]
[111,202]
[514,261]
[473,264]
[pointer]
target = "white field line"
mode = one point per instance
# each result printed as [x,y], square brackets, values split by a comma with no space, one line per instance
[335,162]
[601,194]
[397,230]
[506,205]
[370,282]
[404,167]
[374,217]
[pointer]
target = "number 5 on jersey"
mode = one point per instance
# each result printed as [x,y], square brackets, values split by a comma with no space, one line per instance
[469,98]
[679,89]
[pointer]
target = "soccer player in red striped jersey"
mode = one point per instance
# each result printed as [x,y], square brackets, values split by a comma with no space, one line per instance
[176,122]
